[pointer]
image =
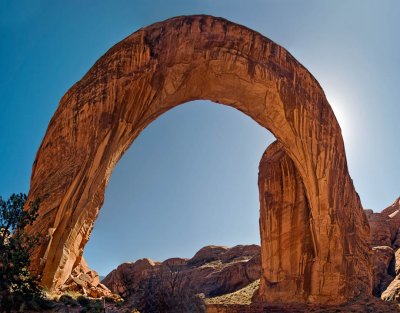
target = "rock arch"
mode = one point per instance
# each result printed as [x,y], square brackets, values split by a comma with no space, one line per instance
[203,57]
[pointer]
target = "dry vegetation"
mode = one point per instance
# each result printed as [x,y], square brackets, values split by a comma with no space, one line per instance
[241,296]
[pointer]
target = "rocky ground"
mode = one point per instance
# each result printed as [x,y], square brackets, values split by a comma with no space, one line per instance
[219,279]
[242,301]
[228,277]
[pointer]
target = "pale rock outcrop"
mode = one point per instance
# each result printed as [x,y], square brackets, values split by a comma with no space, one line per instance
[392,292]
[87,282]
[397,262]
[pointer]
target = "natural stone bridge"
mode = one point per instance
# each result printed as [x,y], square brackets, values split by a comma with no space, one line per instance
[313,231]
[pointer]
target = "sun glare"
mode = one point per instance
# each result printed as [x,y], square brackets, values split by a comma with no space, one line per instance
[342,115]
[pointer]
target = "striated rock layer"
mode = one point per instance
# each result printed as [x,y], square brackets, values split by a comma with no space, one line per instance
[285,221]
[213,271]
[203,57]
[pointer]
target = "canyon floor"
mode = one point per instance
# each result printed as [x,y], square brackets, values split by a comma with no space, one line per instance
[220,279]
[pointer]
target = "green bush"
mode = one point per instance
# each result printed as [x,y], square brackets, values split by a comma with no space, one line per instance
[83,301]
[18,288]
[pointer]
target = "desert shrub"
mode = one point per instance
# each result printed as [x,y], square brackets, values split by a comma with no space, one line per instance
[68,300]
[90,305]
[18,288]
[83,301]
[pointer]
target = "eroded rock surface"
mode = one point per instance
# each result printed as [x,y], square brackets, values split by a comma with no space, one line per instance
[203,57]
[383,262]
[385,226]
[214,270]
[86,282]
[385,243]
[285,221]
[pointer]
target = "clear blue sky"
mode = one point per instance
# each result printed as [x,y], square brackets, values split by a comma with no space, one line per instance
[191,177]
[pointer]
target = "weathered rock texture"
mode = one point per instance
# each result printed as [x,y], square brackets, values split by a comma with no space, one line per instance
[203,57]
[383,268]
[364,305]
[87,282]
[385,226]
[285,221]
[214,270]
[385,243]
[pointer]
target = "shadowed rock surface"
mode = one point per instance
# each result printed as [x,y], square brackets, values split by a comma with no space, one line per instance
[385,243]
[214,270]
[285,221]
[383,262]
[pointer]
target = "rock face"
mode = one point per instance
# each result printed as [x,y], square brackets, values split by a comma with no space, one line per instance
[87,282]
[385,243]
[285,221]
[383,268]
[380,231]
[385,226]
[214,270]
[203,57]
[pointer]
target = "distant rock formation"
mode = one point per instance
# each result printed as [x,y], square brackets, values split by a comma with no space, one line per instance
[217,270]
[212,271]
[385,243]
[384,226]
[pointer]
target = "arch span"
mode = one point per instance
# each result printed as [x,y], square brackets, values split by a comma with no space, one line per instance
[203,57]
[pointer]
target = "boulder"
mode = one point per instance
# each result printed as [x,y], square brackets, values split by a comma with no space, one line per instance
[86,281]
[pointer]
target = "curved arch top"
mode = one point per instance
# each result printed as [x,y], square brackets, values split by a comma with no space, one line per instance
[173,62]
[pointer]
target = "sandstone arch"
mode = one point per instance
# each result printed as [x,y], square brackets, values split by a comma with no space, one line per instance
[203,57]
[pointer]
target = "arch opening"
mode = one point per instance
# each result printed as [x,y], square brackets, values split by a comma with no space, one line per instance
[189,180]
[184,59]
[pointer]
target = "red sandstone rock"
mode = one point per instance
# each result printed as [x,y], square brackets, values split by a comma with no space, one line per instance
[214,270]
[386,264]
[127,278]
[86,281]
[286,220]
[203,57]
[382,262]
[380,230]
[385,226]
[208,254]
